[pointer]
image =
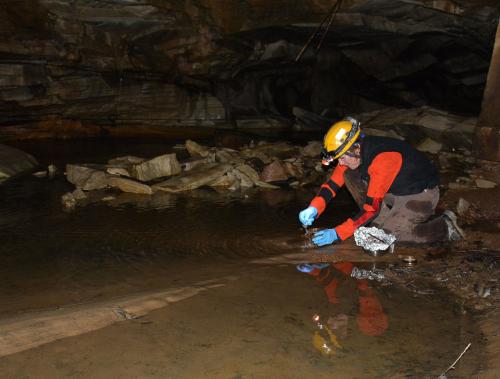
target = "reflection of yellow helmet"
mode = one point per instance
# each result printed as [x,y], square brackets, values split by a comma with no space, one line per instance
[340,137]
[324,340]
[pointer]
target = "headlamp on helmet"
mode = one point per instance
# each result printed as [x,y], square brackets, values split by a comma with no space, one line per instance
[339,139]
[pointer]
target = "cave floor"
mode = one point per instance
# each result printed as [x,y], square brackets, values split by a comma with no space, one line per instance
[205,284]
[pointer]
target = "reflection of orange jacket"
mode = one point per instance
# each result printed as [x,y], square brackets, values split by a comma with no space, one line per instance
[371,319]
[382,171]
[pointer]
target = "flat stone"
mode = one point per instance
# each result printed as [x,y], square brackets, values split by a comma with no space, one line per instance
[228,181]
[52,170]
[40,174]
[196,150]
[78,194]
[125,161]
[86,177]
[430,146]
[130,186]
[483,183]
[462,206]
[266,185]
[457,186]
[68,201]
[159,167]
[120,171]
[197,177]
[249,172]
[294,170]
[192,162]
[223,156]
[274,172]
[312,149]
[14,161]
[245,181]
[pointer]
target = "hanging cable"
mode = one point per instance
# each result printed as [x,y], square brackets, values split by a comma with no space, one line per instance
[328,20]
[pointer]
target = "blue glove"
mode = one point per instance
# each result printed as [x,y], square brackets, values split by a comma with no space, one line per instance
[307,216]
[325,237]
[309,267]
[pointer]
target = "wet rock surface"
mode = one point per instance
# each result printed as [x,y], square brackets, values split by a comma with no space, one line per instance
[93,68]
[14,161]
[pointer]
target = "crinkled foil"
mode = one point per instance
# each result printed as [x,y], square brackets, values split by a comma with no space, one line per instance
[374,274]
[373,239]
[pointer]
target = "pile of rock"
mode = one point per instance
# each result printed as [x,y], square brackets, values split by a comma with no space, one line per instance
[265,165]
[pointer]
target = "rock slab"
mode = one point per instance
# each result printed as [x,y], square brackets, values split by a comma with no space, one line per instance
[14,161]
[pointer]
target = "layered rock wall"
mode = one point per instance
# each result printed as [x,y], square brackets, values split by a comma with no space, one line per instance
[92,66]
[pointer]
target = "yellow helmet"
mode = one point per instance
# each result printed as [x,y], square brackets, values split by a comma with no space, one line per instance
[339,138]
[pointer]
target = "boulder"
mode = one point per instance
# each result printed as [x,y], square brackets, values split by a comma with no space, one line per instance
[196,150]
[312,149]
[161,166]
[14,161]
[274,172]
[197,177]
[86,177]
[130,186]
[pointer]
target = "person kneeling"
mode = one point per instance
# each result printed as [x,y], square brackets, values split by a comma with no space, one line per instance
[395,186]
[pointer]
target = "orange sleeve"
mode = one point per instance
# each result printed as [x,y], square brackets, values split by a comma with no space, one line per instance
[382,171]
[329,189]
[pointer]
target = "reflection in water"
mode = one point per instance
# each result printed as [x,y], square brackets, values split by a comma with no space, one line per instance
[370,317]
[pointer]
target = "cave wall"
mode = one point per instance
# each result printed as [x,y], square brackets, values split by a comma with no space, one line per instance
[135,64]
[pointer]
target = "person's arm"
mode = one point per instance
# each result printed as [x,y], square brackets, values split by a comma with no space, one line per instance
[329,189]
[382,171]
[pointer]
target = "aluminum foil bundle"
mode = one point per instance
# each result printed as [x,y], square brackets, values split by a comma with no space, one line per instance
[374,274]
[373,239]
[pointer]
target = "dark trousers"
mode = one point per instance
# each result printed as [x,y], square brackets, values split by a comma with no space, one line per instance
[408,217]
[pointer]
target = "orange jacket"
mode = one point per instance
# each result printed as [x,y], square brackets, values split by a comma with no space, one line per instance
[371,319]
[382,171]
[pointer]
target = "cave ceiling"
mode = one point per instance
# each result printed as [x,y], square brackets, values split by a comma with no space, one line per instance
[206,62]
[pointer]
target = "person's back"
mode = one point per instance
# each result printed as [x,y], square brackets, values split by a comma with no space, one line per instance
[416,173]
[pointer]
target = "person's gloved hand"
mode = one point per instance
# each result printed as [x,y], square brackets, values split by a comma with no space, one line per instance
[325,237]
[307,216]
